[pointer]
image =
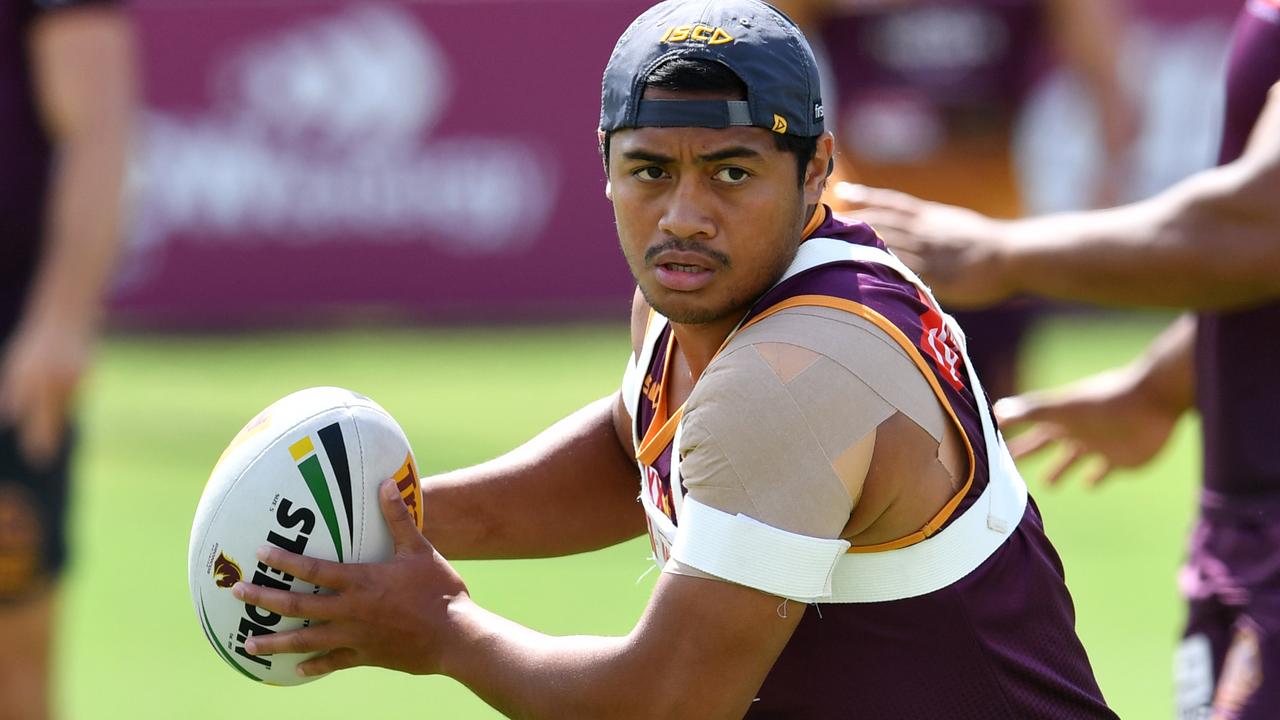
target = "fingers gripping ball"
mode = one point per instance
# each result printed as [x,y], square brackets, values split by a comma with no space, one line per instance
[302,476]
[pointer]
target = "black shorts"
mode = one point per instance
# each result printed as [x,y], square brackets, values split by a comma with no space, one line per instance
[33,517]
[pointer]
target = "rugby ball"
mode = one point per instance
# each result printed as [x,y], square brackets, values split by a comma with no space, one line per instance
[303,475]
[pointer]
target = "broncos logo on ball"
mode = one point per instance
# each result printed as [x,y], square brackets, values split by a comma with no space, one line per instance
[225,571]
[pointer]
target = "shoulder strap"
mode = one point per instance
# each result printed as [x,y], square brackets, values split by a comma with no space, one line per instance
[633,378]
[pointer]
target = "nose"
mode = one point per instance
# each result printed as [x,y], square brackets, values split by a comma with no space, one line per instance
[688,210]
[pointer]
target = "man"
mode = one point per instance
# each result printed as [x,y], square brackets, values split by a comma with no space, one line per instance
[66,89]
[806,426]
[1211,243]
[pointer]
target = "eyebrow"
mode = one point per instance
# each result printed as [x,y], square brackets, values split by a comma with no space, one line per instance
[737,151]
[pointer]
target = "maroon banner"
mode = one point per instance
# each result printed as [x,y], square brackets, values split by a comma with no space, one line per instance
[435,160]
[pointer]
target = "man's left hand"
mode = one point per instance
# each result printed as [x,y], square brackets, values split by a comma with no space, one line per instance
[388,614]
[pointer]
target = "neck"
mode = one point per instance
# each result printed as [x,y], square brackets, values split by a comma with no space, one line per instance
[699,343]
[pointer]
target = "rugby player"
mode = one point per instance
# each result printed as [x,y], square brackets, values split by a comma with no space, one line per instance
[1212,244]
[841,530]
[66,104]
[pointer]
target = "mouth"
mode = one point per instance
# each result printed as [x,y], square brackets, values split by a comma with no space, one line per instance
[677,267]
[683,269]
[682,276]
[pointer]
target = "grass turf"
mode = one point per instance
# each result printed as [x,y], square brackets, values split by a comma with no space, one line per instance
[159,410]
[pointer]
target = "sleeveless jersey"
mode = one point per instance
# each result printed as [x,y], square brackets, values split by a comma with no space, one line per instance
[1237,389]
[900,632]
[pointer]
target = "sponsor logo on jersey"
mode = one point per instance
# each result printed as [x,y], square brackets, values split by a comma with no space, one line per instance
[940,345]
[704,34]
[226,572]
[659,492]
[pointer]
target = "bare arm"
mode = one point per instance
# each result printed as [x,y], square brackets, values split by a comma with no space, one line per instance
[84,71]
[702,649]
[1212,241]
[1088,38]
[571,489]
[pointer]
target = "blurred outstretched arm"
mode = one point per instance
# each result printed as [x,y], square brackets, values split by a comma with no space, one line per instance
[1211,241]
[84,66]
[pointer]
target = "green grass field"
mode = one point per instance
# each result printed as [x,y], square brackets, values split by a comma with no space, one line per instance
[158,411]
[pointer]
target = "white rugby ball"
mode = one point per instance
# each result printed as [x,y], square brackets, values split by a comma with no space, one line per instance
[303,475]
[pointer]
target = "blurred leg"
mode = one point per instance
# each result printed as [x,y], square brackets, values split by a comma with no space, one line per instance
[32,554]
[1249,685]
[26,627]
[1199,658]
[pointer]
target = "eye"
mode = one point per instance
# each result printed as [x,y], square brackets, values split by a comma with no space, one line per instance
[732,175]
[649,173]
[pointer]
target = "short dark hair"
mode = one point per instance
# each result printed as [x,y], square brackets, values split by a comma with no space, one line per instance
[699,75]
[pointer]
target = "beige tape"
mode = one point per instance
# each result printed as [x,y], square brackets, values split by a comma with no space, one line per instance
[749,446]
[782,425]
[861,348]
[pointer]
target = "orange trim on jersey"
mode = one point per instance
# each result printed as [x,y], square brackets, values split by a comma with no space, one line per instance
[938,520]
[662,428]
[815,221]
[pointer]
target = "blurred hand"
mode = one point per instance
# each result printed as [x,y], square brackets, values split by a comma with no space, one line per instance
[392,615]
[958,252]
[1106,416]
[39,373]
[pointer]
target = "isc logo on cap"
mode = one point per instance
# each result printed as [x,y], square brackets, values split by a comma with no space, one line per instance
[696,33]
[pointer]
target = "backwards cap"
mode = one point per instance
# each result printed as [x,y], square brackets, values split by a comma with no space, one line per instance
[763,47]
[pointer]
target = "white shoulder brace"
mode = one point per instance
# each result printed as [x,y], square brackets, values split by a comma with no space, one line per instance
[745,551]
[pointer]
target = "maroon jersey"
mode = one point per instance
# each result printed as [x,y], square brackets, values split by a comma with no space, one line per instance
[1000,643]
[26,153]
[1237,389]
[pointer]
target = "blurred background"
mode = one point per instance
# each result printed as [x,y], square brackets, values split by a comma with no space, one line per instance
[406,198]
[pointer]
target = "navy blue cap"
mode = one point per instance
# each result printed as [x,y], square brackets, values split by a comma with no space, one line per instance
[756,41]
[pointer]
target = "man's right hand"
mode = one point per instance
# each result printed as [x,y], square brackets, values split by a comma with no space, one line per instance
[1107,415]
[959,252]
[40,371]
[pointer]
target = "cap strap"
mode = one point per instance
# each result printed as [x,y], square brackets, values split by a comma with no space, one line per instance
[693,113]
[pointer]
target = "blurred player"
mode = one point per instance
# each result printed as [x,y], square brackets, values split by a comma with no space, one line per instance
[806,427]
[66,101]
[929,93]
[1211,243]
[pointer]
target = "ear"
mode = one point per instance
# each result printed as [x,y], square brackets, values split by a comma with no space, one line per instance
[819,169]
[604,159]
